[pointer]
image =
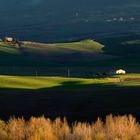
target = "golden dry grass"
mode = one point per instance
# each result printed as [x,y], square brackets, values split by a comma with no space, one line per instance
[115,128]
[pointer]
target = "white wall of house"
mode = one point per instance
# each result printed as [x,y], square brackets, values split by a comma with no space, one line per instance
[120,71]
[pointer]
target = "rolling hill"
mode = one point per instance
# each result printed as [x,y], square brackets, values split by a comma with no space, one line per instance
[104,54]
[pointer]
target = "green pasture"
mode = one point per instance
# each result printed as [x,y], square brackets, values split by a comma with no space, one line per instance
[30,82]
[38,82]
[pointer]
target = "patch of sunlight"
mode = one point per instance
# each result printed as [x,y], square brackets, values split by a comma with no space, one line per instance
[84,45]
[26,82]
[9,50]
[30,82]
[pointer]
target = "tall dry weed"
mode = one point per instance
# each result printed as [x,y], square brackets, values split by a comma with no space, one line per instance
[115,128]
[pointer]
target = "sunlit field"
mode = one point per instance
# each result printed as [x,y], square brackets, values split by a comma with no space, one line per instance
[82,99]
[38,82]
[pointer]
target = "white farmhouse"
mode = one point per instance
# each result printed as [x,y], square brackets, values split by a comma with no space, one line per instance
[120,71]
[9,39]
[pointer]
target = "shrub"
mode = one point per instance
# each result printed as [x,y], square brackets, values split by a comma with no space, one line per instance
[115,128]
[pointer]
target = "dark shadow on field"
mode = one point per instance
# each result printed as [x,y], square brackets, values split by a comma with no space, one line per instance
[72,100]
[118,45]
[125,48]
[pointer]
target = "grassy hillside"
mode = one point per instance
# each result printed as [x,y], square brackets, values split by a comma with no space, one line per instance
[108,53]
[50,54]
[82,46]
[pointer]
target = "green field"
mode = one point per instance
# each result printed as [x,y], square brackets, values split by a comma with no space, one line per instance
[30,82]
[76,98]
[46,82]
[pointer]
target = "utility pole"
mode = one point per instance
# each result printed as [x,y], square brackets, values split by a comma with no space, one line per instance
[36,74]
[68,72]
[13,70]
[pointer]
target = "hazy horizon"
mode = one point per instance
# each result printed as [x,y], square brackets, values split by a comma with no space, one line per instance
[58,20]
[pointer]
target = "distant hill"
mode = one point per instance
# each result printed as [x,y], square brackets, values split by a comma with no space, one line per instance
[32,53]
[116,51]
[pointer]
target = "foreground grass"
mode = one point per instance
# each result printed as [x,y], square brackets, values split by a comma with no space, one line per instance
[114,128]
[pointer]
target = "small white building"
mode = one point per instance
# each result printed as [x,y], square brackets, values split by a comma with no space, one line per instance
[120,71]
[9,39]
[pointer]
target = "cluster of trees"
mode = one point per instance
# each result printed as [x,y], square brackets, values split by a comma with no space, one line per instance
[115,128]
